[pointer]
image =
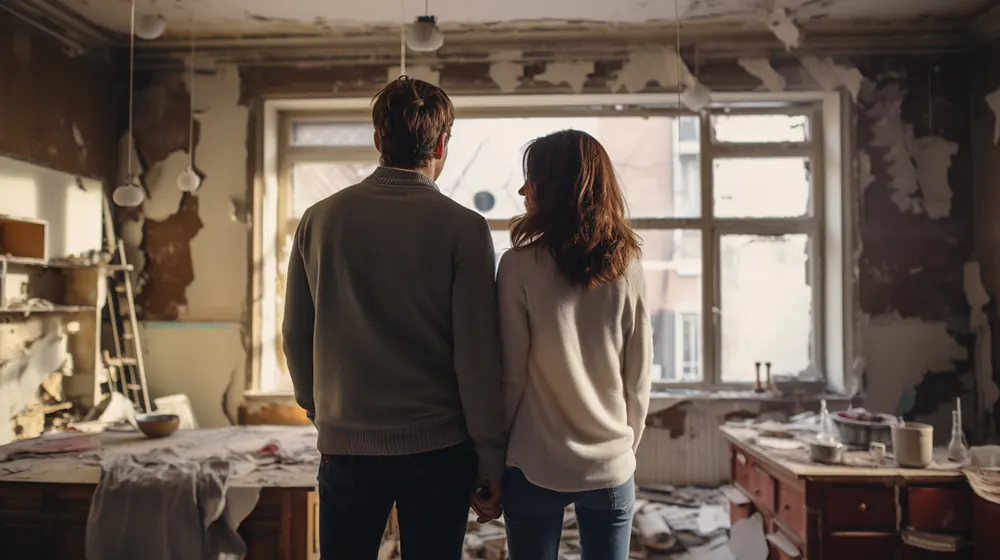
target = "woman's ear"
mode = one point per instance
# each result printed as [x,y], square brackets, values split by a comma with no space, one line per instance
[378,145]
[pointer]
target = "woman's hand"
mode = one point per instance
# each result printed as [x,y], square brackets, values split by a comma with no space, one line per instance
[485,501]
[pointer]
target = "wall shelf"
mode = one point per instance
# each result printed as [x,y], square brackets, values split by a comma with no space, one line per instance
[53,309]
[21,261]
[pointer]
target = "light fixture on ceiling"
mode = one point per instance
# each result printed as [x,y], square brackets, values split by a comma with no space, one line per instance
[150,27]
[129,194]
[189,180]
[423,35]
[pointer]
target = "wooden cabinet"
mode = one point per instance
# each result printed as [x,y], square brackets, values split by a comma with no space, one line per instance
[844,513]
[50,521]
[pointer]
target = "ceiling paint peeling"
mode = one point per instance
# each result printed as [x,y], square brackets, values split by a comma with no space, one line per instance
[918,167]
[832,76]
[423,72]
[302,16]
[993,100]
[761,69]
[573,73]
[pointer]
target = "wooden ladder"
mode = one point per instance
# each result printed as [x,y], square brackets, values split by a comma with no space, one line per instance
[126,371]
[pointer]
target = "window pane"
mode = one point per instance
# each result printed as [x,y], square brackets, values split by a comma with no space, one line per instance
[760,128]
[766,305]
[334,134]
[672,264]
[660,180]
[312,182]
[762,187]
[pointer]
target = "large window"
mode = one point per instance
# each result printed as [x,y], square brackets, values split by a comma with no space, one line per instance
[727,202]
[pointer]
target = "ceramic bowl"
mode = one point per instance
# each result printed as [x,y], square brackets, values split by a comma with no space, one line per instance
[158,425]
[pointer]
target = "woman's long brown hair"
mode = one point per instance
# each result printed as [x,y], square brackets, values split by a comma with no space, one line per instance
[575,209]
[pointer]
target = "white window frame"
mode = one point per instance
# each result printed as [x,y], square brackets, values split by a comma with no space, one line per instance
[832,197]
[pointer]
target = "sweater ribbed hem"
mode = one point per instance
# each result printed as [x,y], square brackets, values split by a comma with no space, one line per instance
[405,440]
[395,177]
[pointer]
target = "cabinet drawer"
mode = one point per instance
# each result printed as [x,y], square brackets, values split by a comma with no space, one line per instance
[792,510]
[847,546]
[762,489]
[861,507]
[946,510]
[741,469]
[913,553]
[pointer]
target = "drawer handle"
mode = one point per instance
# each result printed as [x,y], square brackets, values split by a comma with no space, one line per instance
[862,508]
[787,507]
[756,492]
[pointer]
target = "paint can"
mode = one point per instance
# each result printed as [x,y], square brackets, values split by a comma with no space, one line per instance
[913,444]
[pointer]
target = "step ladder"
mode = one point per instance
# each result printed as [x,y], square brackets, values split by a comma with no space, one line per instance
[126,372]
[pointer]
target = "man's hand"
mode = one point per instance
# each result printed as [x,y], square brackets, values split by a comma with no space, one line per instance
[485,501]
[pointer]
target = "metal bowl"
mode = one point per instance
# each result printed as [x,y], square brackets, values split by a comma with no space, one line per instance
[861,433]
[822,452]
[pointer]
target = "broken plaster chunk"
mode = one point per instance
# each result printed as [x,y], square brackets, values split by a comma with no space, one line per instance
[783,26]
[661,65]
[505,72]
[696,96]
[761,69]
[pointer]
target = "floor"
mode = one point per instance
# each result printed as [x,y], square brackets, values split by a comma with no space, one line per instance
[670,523]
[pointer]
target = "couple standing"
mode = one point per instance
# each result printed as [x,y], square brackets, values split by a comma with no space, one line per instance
[435,384]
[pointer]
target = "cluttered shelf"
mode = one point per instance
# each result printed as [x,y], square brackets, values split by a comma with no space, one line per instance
[45,307]
[61,263]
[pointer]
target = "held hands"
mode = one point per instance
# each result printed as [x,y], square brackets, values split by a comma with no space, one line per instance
[485,501]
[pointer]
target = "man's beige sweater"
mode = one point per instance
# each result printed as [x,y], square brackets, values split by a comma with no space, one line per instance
[390,326]
[576,373]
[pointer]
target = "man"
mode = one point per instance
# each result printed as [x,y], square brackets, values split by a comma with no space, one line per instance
[390,334]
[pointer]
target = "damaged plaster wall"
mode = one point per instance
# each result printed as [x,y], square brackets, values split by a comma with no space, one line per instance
[985,77]
[190,253]
[915,183]
[910,257]
[56,107]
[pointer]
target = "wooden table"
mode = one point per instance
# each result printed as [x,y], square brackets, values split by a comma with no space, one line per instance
[846,512]
[44,503]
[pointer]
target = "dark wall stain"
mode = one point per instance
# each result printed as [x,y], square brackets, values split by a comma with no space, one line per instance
[310,81]
[984,74]
[44,92]
[162,110]
[672,419]
[911,264]
[169,268]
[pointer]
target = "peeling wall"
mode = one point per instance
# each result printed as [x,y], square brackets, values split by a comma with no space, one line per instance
[56,108]
[985,77]
[916,235]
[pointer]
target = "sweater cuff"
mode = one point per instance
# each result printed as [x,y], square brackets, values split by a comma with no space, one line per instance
[491,464]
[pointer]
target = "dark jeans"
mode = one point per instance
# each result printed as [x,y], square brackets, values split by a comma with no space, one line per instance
[534,519]
[431,492]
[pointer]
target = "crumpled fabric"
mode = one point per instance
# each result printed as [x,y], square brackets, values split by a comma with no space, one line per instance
[162,507]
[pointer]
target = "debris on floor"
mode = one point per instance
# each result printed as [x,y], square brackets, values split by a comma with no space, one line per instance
[671,523]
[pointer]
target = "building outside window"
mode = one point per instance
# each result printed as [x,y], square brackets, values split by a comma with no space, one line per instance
[725,203]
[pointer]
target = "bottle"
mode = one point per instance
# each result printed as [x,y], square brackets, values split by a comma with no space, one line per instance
[827,429]
[958,449]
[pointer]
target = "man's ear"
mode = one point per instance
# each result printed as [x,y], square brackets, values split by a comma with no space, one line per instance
[439,149]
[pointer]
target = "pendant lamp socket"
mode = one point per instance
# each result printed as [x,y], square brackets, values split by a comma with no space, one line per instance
[188,181]
[424,35]
[150,27]
[128,195]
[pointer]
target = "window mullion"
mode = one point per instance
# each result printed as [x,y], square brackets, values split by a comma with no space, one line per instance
[710,335]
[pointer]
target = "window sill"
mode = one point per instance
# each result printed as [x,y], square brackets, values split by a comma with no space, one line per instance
[666,398]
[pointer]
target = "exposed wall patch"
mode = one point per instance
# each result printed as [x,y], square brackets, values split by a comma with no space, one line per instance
[865,177]
[505,72]
[987,392]
[761,69]
[422,72]
[918,167]
[658,64]
[572,73]
[993,100]
[832,76]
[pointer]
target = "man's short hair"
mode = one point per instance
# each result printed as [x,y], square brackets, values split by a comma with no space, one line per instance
[409,117]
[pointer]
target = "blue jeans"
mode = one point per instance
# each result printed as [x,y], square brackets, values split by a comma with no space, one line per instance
[534,519]
[430,490]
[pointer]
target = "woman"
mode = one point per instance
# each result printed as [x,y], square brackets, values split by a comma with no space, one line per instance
[577,353]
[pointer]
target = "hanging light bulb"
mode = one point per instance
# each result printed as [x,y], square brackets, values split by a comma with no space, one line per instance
[150,27]
[128,195]
[188,181]
[423,35]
